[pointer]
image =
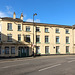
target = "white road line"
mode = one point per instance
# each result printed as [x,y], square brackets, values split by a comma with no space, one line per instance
[13,65]
[71,61]
[49,67]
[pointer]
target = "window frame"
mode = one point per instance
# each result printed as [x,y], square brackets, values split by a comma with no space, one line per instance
[9,26]
[37,29]
[57,30]
[46,30]
[46,39]
[6,50]
[28,38]
[9,37]
[57,40]
[12,50]
[46,49]
[37,38]
[27,28]
[19,27]
[19,37]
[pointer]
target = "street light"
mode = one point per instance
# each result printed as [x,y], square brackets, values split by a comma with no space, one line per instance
[33,32]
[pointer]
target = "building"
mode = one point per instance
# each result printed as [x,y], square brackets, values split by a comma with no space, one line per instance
[16,38]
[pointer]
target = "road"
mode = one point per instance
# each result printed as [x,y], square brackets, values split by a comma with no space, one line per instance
[46,65]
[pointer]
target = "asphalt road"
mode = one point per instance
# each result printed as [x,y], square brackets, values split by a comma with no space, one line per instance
[47,65]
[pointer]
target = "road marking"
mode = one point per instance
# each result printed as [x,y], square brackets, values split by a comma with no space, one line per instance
[71,61]
[13,65]
[70,58]
[49,67]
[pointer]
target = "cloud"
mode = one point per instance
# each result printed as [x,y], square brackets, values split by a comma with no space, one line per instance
[9,10]
[31,20]
[2,14]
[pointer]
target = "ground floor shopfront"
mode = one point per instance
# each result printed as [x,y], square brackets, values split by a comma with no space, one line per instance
[15,50]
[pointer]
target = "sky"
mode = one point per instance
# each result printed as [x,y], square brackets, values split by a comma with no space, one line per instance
[60,12]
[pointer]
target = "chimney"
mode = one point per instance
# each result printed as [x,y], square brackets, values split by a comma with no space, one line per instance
[14,16]
[21,17]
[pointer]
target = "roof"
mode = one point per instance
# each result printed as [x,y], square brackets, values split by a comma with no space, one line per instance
[11,19]
[45,24]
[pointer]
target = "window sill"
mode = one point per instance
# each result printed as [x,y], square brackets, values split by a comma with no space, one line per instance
[67,43]
[67,33]
[19,30]
[57,43]
[46,32]
[9,30]
[47,43]
[28,31]
[38,42]
[38,31]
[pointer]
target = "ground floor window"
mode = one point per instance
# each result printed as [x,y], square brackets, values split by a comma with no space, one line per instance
[0,50]
[67,49]
[46,49]
[12,50]
[6,50]
[57,49]
[37,49]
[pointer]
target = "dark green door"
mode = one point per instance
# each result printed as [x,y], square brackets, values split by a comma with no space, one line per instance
[21,52]
[27,51]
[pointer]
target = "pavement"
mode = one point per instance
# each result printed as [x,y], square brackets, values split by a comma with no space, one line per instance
[44,65]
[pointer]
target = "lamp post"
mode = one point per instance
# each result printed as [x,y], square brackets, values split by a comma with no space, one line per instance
[33,32]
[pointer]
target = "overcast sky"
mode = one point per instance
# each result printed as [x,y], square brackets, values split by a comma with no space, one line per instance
[60,12]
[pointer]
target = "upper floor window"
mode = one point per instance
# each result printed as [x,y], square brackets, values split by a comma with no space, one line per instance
[67,39]
[57,31]
[46,39]
[46,30]
[9,26]
[19,27]
[12,50]
[57,39]
[9,37]
[67,31]
[37,29]
[37,38]
[27,38]
[19,37]
[27,28]
[6,50]
[46,49]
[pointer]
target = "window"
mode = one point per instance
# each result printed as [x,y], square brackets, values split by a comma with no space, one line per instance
[46,39]
[37,38]
[67,39]
[0,37]
[37,29]
[57,39]
[46,30]
[57,49]
[57,31]
[67,31]
[27,28]
[6,50]
[19,27]
[37,49]
[19,37]
[9,26]
[46,49]
[67,49]
[0,49]
[27,38]
[12,50]
[9,37]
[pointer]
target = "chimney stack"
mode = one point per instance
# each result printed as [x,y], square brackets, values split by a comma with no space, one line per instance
[14,16]
[21,17]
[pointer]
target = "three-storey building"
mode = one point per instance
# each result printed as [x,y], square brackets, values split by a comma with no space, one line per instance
[16,38]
